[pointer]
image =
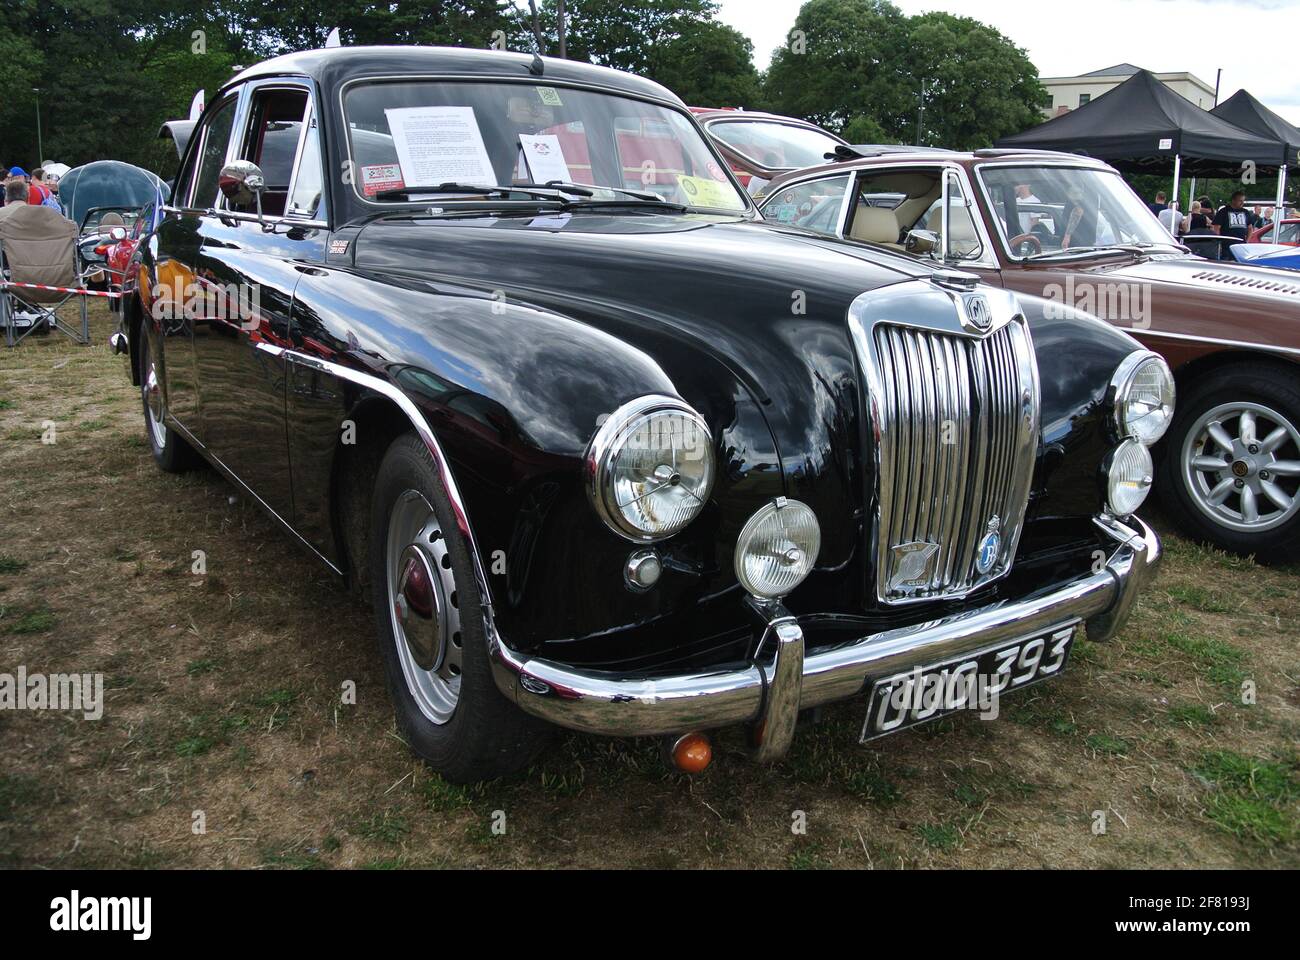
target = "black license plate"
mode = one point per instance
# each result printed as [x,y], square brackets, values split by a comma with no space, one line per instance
[967,682]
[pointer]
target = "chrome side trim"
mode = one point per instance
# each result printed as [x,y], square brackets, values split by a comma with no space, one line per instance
[606,703]
[412,413]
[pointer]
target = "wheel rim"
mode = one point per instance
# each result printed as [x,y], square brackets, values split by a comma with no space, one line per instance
[153,405]
[1241,462]
[422,606]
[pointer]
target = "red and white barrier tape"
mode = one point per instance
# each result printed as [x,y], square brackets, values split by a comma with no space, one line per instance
[41,286]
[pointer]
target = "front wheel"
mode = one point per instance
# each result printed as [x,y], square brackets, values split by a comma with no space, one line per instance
[429,622]
[1231,467]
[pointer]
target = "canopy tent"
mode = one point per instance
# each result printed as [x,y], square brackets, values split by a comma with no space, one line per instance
[1246,112]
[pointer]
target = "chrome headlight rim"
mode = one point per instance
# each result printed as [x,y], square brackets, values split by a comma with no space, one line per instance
[607,443]
[1128,448]
[747,534]
[1121,386]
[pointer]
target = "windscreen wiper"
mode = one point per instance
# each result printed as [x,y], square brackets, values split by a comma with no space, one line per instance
[537,192]
[585,190]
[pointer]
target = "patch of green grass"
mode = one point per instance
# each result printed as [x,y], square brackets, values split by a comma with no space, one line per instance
[194,746]
[198,667]
[939,836]
[28,620]
[18,790]
[385,827]
[1105,743]
[1192,714]
[6,404]
[808,857]
[444,797]
[1207,601]
[1253,799]
[10,564]
[1220,660]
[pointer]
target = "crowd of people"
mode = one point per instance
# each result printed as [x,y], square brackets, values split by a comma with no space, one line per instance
[42,187]
[1231,220]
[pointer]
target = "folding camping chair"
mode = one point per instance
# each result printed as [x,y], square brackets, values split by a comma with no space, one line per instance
[40,271]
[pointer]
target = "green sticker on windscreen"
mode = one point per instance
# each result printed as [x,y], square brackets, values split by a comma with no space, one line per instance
[550,96]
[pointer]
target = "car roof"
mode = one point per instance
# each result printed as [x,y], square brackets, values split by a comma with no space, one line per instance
[332,66]
[898,154]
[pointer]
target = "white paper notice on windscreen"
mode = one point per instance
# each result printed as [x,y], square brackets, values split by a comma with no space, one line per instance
[545,158]
[438,145]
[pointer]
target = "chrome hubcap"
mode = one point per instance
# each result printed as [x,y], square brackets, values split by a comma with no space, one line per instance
[422,604]
[154,407]
[1241,462]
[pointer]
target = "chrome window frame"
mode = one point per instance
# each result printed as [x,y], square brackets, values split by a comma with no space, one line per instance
[750,209]
[200,144]
[844,200]
[784,122]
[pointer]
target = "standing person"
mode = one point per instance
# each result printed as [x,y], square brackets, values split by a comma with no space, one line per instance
[1025,195]
[1159,203]
[1169,219]
[50,182]
[1198,221]
[1234,219]
[36,192]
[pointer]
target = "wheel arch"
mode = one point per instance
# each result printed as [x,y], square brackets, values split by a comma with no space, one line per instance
[1206,364]
[133,324]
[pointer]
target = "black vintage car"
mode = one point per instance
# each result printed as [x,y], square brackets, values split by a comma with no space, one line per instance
[502,341]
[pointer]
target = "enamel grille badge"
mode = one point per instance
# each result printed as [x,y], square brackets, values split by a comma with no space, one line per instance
[990,547]
[912,564]
[977,309]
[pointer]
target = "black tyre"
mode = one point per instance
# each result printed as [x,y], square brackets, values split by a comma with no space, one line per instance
[1230,470]
[170,452]
[429,624]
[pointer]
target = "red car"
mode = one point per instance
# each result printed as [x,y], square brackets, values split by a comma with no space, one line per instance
[1289,234]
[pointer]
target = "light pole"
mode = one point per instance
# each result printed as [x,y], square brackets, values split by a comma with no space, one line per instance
[920,115]
[40,148]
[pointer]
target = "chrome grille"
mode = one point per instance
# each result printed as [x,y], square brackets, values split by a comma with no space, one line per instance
[956,422]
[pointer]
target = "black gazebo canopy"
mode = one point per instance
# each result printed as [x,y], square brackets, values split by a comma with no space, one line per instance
[1141,126]
[1243,110]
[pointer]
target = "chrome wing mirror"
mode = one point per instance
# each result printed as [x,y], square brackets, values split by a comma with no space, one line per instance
[241,183]
[921,242]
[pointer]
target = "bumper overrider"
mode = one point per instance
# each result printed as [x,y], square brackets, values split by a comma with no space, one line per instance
[768,692]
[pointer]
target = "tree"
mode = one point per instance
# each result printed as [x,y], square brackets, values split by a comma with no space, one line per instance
[678,43]
[840,65]
[979,85]
[856,67]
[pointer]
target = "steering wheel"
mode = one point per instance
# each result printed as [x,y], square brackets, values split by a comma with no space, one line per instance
[1027,238]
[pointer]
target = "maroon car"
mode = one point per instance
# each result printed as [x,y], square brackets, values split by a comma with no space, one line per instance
[760,146]
[1069,229]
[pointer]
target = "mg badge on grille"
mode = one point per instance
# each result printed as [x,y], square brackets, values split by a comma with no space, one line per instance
[977,309]
[990,547]
[912,563]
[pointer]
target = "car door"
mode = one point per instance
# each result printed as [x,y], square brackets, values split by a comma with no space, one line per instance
[246,264]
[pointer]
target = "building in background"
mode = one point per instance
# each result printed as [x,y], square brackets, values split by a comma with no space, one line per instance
[1070,93]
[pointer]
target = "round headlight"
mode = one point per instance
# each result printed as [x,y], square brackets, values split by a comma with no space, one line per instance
[1129,479]
[650,468]
[777,548]
[1144,397]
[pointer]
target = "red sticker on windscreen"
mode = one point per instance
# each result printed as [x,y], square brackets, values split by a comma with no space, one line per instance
[381,176]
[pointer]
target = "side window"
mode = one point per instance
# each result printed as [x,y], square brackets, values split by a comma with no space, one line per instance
[814,205]
[271,142]
[216,138]
[965,240]
[305,192]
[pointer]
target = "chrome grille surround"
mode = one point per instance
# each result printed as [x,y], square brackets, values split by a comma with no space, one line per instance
[951,381]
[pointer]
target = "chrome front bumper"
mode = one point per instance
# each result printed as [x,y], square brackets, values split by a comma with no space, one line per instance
[768,694]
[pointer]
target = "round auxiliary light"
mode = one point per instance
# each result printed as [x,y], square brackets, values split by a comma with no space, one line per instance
[1144,397]
[777,548]
[1129,478]
[650,468]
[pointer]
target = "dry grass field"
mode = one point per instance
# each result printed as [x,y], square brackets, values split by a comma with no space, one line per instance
[223,697]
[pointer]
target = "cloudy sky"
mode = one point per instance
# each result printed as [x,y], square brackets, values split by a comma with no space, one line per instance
[1254,42]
